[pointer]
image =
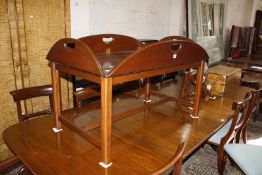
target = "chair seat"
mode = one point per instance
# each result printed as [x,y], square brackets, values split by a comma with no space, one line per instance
[248,157]
[215,139]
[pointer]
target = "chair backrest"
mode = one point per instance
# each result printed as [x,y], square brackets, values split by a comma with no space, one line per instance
[253,106]
[111,43]
[28,93]
[241,109]
[84,94]
[176,38]
[174,163]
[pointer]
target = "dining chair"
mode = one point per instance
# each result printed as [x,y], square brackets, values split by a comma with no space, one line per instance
[29,93]
[227,133]
[174,164]
[83,94]
[247,157]
[253,108]
[18,96]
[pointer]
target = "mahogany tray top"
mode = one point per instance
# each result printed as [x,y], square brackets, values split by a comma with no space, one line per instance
[112,66]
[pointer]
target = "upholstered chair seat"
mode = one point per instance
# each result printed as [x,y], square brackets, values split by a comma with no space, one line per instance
[247,157]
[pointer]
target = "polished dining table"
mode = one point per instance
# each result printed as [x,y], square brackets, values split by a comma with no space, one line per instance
[141,142]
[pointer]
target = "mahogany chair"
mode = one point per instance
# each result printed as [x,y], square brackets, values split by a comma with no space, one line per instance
[84,94]
[32,92]
[175,163]
[253,108]
[18,96]
[228,133]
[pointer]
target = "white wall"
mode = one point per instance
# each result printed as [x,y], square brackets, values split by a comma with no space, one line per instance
[79,18]
[152,19]
[239,13]
[147,18]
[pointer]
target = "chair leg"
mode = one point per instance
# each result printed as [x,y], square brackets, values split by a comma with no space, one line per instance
[244,135]
[221,162]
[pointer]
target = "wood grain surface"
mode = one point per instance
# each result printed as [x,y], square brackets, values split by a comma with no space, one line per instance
[141,143]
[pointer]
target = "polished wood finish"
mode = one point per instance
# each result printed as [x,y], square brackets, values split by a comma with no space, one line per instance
[56,95]
[29,93]
[110,43]
[106,119]
[140,144]
[175,163]
[75,57]
[84,94]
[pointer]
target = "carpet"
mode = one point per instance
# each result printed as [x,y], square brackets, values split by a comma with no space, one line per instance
[203,162]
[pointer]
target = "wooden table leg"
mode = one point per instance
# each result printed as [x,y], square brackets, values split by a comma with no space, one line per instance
[106,121]
[185,84]
[147,91]
[199,80]
[56,97]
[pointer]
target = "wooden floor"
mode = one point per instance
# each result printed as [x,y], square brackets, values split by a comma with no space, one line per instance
[141,143]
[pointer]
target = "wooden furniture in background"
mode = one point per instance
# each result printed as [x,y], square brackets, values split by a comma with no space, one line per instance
[20,96]
[257,44]
[241,41]
[28,30]
[174,164]
[29,93]
[137,148]
[107,69]
[220,76]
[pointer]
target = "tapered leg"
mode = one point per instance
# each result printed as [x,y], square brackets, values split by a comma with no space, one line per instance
[185,85]
[221,161]
[147,91]
[200,70]
[56,97]
[106,121]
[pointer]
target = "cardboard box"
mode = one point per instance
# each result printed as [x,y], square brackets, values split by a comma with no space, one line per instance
[220,77]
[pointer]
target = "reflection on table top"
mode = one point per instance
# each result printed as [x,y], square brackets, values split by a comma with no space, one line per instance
[141,143]
[109,61]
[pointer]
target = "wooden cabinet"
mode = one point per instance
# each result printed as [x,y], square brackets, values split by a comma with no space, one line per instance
[28,29]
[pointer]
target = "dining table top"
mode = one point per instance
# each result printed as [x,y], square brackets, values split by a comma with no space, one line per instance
[141,143]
